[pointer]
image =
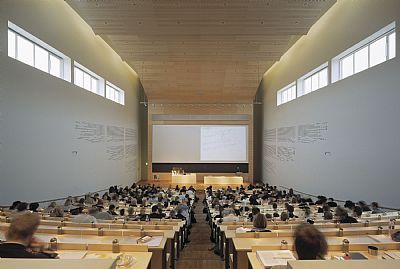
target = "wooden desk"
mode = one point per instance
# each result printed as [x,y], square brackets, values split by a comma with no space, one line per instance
[105,262]
[374,263]
[159,250]
[357,243]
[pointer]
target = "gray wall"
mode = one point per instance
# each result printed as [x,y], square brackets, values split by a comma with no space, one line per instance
[41,155]
[359,155]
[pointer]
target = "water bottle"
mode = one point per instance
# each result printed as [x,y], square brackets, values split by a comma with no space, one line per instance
[392,225]
[53,244]
[115,246]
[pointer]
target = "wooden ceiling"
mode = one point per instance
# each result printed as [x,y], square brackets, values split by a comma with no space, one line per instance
[200,51]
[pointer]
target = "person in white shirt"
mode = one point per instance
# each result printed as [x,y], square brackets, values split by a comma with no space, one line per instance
[87,218]
[229,216]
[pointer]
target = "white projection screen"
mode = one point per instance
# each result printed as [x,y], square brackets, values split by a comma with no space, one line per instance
[200,144]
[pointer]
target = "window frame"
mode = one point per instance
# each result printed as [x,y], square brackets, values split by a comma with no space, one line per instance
[115,89]
[385,32]
[92,75]
[65,62]
[280,93]
[301,81]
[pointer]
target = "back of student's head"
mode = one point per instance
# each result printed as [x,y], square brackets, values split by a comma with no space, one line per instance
[284,216]
[328,215]
[93,210]
[309,242]
[22,227]
[357,211]
[33,207]
[122,212]
[58,211]
[374,205]
[14,205]
[260,221]
[340,212]
[131,210]
[255,210]
[22,207]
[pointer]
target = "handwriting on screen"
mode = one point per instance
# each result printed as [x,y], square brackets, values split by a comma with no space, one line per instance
[223,143]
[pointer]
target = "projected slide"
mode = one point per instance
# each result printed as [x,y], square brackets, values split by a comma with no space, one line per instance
[199,144]
[223,143]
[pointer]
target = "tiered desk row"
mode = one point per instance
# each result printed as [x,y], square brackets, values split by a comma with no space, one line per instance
[110,237]
[239,248]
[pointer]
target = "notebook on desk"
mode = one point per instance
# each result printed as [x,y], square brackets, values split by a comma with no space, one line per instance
[274,258]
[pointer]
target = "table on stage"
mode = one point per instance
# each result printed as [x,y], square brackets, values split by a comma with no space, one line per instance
[184,178]
[209,180]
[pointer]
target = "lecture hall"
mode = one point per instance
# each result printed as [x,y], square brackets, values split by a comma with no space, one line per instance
[197,134]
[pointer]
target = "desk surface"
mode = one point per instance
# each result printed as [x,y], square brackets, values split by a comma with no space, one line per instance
[105,261]
[373,262]
[245,244]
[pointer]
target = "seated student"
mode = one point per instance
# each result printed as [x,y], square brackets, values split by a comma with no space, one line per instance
[102,215]
[254,200]
[68,204]
[260,223]
[178,214]
[33,207]
[87,218]
[122,212]
[22,207]
[58,211]
[254,211]
[142,215]
[155,213]
[229,216]
[343,217]
[284,216]
[131,213]
[111,210]
[328,215]
[357,212]
[20,238]
[268,216]
[375,208]
[290,210]
[331,202]
[364,206]
[310,243]
[14,205]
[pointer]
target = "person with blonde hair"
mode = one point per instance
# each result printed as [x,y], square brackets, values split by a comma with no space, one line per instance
[20,238]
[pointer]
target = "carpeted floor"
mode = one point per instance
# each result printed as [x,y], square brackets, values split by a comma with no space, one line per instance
[196,254]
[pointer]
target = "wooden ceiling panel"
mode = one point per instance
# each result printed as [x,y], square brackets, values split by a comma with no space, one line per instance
[208,51]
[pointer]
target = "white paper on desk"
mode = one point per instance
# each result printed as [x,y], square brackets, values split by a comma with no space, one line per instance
[154,242]
[73,255]
[273,258]
[242,230]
